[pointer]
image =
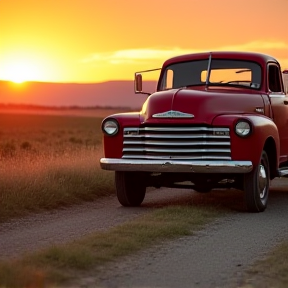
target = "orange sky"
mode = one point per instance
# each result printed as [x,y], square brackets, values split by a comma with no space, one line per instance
[97,40]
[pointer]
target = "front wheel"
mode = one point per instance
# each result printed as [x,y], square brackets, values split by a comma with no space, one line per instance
[130,188]
[256,185]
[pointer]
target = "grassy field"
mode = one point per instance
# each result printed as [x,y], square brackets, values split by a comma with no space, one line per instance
[46,135]
[48,161]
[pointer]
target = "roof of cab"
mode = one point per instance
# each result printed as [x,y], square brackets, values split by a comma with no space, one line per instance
[262,59]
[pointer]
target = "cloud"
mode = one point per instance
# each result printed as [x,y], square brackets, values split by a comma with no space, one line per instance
[134,56]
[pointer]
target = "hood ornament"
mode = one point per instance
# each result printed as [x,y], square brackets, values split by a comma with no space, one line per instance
[173,114]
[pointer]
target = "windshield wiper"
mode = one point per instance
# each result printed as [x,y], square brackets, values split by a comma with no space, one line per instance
[208,70]
[251,86]
[191,85]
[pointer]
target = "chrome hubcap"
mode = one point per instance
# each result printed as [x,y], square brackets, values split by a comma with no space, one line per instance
[262,180]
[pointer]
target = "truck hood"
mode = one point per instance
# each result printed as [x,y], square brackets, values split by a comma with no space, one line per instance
[197,106]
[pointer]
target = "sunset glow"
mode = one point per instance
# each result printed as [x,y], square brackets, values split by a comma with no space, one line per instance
[91,41]
[21,71]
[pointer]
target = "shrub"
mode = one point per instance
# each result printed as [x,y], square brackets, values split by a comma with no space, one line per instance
[8,150]
[26,145]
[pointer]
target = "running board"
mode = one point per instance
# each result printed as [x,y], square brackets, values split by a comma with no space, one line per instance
[283,172]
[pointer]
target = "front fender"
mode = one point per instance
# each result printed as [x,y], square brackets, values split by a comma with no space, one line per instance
[113,145]
[250,148]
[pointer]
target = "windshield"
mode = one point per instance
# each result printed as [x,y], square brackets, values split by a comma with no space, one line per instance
[222,73]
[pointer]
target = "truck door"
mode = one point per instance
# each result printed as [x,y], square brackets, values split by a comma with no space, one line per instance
[279,101]
[285,80]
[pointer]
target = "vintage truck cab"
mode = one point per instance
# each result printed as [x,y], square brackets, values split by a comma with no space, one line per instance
[216,119]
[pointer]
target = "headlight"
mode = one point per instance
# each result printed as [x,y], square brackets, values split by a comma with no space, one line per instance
[110,127]
[243,128]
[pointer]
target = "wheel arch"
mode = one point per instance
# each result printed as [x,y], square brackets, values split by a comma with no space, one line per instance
[271,151]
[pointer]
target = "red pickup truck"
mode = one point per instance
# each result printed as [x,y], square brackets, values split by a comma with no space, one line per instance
[216,120]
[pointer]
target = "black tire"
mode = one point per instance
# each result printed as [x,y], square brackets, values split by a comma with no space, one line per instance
[256,186]
[130,188]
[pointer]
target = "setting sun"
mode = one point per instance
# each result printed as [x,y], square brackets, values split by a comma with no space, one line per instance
[21,71]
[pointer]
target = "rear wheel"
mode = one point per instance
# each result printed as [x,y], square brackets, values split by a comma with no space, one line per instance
[256,185]
[130,188]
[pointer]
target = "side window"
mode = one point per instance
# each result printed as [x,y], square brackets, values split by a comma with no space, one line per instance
[274,82]
[169,79]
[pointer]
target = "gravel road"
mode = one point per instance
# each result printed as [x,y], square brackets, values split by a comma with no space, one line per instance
[36,231]
[214,257]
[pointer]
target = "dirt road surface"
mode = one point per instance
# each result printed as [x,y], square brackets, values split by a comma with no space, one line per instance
[216,256]
[19,236]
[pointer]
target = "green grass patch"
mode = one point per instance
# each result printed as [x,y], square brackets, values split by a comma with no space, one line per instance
[59,264]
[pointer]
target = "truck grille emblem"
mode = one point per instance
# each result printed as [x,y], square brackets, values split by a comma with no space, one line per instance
[173,114]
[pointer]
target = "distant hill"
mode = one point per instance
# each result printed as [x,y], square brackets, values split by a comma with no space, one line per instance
[111,93]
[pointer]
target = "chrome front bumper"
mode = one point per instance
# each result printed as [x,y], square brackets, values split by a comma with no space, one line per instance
[179,166]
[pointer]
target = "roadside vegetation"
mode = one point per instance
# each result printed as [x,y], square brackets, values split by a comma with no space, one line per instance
[271,271]
[61,265]
[48,162]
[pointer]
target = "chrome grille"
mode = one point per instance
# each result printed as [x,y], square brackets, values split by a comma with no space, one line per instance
[178,143]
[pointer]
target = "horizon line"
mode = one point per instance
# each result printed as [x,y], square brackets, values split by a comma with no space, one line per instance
[72,82]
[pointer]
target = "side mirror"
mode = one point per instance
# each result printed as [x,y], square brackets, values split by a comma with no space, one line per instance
[138,83]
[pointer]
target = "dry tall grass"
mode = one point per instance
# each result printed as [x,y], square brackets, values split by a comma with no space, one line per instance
[49,161]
